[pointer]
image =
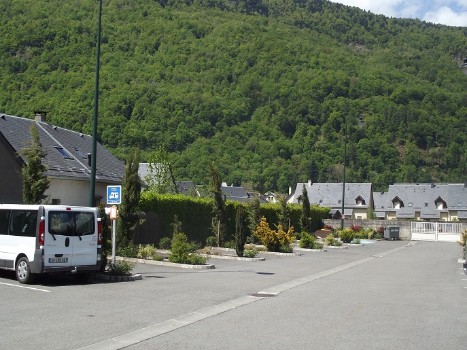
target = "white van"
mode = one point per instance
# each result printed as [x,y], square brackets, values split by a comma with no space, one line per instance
[49,238]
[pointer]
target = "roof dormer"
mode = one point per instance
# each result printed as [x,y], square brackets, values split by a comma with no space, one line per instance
[397,203]
[359,200]
[440,203]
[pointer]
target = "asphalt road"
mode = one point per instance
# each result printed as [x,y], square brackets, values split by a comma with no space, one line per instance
[385,295]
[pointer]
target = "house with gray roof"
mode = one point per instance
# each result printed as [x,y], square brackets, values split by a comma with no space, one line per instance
[238,194]
[66,159]
[358,198]
[426,201]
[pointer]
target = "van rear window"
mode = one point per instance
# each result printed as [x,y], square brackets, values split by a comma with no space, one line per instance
[68,223]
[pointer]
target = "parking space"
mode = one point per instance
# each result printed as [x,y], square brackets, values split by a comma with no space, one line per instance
[102,310]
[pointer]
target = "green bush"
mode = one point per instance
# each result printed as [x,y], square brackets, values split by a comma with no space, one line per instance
[165,243]
[317,245]
[250,253]
[229,244]
[346,235]
[128,251]
[307,241]
[182,252]
[211,241]
[148,252]
[332,241]
[121,268]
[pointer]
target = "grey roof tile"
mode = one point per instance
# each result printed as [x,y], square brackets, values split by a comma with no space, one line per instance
[16,131]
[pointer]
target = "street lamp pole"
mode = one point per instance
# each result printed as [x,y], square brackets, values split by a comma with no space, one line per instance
[343,180]
[92,192]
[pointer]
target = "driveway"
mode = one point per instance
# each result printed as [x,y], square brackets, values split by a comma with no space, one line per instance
[385,295]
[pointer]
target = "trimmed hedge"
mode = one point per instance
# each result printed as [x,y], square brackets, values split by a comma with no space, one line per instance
[196,214]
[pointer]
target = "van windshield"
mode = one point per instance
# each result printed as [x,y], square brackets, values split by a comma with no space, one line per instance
[68,223]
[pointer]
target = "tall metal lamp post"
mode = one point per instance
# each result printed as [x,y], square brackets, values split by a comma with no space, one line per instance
[92,192]
[343,180]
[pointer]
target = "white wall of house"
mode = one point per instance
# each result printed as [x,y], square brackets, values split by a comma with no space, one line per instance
[360,213]
[73,192]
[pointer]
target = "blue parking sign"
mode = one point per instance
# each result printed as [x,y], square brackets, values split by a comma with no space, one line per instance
[114,194]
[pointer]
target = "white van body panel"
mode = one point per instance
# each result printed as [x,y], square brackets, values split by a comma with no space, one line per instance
[70,241]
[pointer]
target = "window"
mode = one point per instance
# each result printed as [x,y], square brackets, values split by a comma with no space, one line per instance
[55,201]
[359,200]
[71,223]
[63,152]
[23,223]
[4,219]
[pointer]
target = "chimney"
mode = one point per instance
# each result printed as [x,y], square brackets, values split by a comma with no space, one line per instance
[40,116]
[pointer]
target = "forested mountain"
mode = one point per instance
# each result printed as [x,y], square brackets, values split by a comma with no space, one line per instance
[263,88]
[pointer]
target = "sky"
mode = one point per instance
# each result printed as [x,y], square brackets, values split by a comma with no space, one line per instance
[448,12]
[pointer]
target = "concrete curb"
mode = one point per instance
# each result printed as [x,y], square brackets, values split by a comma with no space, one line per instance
[231,257]
[113,278]
[310,250]
[167,263]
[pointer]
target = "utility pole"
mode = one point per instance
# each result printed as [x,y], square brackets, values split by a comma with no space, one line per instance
[92,192]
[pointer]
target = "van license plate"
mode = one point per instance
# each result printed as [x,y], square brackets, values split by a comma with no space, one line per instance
[58,260]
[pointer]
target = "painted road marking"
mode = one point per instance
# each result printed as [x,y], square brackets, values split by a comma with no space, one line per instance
[25,287]
[154,330]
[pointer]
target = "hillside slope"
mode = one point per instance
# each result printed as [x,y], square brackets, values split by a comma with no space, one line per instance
[265,91]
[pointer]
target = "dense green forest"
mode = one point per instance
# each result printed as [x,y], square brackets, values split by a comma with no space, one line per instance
[266,89]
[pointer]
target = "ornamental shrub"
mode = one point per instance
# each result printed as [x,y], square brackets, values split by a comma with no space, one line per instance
[148,252]
[165,243]
[332,241]
[211,241]
[182,252]
[250,253]
[275,241]
[121,268]
[346,235]
[307,241]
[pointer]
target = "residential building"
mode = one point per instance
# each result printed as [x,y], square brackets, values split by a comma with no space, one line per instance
[358,198]
[66,158]
[426,201]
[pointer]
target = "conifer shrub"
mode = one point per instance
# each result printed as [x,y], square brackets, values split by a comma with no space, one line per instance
[275,241]
[182,252]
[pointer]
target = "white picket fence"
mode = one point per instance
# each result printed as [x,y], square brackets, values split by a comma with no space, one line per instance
[435,231]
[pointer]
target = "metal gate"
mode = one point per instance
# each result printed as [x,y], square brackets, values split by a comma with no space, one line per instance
[435,231]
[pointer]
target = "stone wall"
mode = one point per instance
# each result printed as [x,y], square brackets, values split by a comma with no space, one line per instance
[404,225]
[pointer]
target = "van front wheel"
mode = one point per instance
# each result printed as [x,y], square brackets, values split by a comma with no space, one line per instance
[23,271]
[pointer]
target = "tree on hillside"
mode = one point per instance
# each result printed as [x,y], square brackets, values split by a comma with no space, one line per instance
[35,183]
[131,191]
[306,212]
[219,212]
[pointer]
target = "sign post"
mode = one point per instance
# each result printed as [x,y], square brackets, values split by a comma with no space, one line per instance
[114,196]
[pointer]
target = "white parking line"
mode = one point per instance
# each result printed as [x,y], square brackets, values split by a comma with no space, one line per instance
[31,288]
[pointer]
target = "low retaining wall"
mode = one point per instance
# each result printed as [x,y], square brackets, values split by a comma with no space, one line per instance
[404,225]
